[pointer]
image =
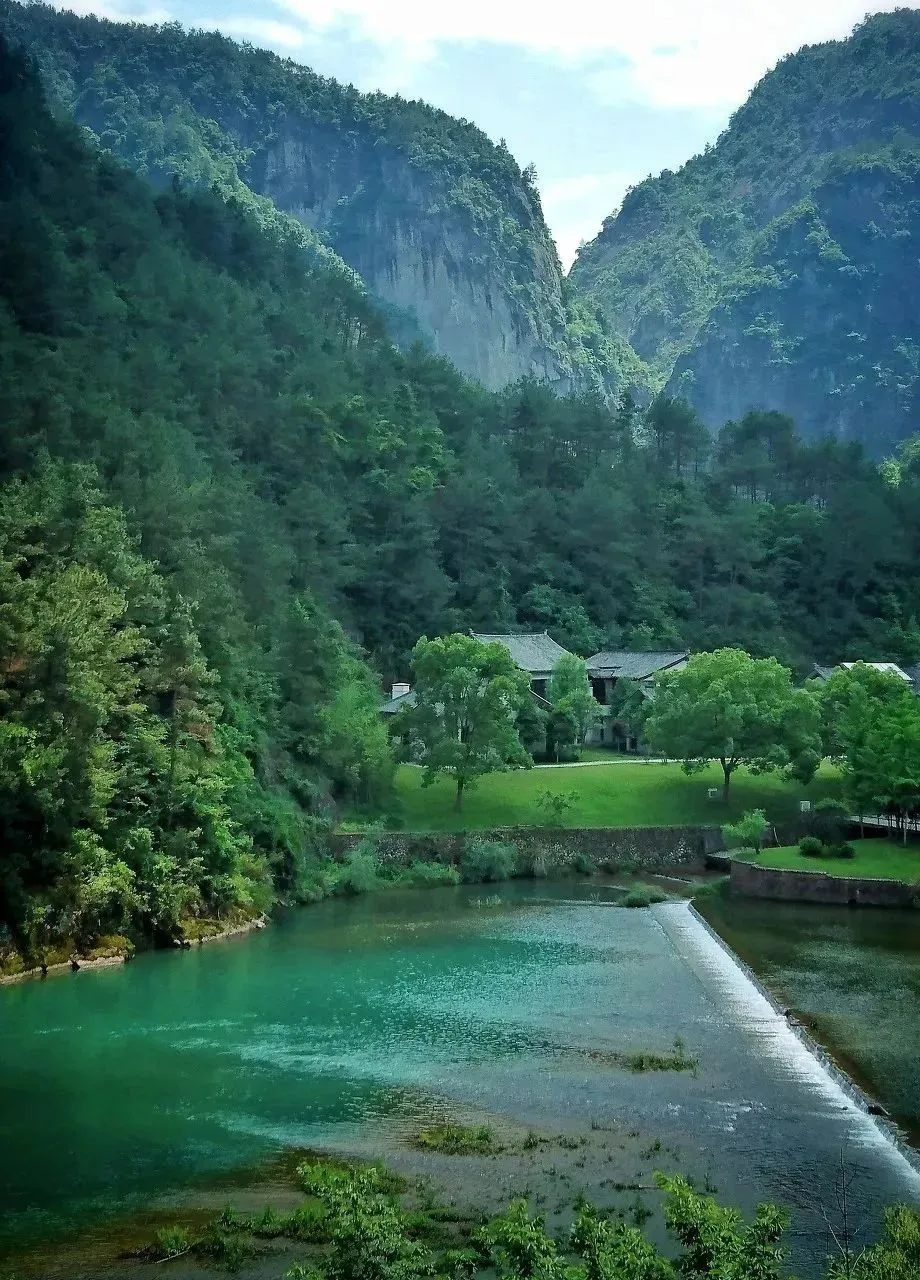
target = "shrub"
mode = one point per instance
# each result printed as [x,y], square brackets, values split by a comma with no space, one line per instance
[584,865]
[747,832]
[554,805]
[811,847]
[169,1242]
[643,896]
[361,872]
[841,850]
[486,861]
[829,821]
[424,875]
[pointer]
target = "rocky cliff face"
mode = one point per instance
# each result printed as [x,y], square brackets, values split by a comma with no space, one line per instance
[427,260]
[770,272]
[441,223]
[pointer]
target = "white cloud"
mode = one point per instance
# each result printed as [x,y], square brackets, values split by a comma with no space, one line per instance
[261,31]
[671,53]
[583,200]
[85,8]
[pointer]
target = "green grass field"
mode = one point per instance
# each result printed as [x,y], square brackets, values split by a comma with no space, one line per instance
[875,859]
[637,794]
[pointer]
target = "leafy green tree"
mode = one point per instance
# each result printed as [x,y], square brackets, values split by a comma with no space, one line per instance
[464,722]
[748,832]
[569,691]
[883,772]
[739,710]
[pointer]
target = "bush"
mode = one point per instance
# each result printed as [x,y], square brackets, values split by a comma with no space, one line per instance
[169,1242]
[585,865]
[829,821]
[361,872]
[643,896]
[423,875]
[811,847]
[747,832]
[487,861]
[841,850]
[554,805]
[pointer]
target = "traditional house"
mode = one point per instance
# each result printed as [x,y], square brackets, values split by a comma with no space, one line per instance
[909,676]
[536,653]
[613,669]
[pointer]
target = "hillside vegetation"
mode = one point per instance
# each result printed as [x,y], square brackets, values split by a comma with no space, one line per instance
[772,271]
[438,221]
[229,506]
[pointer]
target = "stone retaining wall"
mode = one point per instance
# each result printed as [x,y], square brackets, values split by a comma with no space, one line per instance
[817,886]
[647,848]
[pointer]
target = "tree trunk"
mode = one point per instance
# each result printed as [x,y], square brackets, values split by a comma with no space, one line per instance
[727,775]
[458,802]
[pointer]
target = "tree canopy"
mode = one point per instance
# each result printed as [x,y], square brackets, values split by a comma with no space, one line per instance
[739,710]
[467,699]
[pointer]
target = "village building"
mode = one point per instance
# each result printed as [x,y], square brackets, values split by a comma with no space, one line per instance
[611,673]
[910,675]
[536,653]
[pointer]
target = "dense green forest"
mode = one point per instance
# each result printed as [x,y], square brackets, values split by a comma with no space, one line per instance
[230,506]
[774,270]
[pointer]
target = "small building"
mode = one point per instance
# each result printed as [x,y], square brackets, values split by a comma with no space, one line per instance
[823,674]
[534,652]
[609,671]
[401,695]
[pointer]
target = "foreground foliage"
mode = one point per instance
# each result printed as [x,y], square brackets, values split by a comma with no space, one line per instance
[356,1228]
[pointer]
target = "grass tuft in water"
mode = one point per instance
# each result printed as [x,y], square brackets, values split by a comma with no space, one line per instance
[169,1242]
[677,1060]
[457,1140]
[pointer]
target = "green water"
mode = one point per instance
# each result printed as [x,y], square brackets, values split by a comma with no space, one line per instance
[348,1022]
[854,978]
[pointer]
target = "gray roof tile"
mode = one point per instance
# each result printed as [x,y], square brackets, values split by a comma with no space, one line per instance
[536,652]
[634,666]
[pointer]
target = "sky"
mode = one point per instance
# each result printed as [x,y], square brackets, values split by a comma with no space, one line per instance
[596,94]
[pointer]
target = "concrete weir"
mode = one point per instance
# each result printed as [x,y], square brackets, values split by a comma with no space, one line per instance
[743,998]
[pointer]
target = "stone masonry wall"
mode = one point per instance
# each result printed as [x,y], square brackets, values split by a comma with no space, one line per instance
[817,886]
[647,848]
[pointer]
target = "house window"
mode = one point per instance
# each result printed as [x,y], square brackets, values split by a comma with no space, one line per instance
[599,689]
[539,688]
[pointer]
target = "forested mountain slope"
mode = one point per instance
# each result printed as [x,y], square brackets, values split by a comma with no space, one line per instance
[219,478]
[439,222]
[775,270]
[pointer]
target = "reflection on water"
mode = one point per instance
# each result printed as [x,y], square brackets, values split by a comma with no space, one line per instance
[349,1018]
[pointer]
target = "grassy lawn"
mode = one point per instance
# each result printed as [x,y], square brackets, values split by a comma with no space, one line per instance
[636,794]
[875,859]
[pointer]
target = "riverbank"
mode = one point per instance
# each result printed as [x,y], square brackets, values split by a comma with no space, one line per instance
[195,933]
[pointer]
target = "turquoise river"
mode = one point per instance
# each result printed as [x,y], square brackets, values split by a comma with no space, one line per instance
[346,1025]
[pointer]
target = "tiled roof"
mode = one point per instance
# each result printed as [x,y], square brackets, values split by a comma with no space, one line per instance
[392,705]
[886,668]
[536,653]
[634,666]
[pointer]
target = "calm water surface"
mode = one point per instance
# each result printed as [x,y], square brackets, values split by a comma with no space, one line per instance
[344,1023]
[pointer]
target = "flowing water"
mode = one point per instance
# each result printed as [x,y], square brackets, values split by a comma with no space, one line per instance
[348,1022]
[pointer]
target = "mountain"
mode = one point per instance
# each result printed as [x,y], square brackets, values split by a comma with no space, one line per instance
[440,223]
[776,270]
[227,501]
